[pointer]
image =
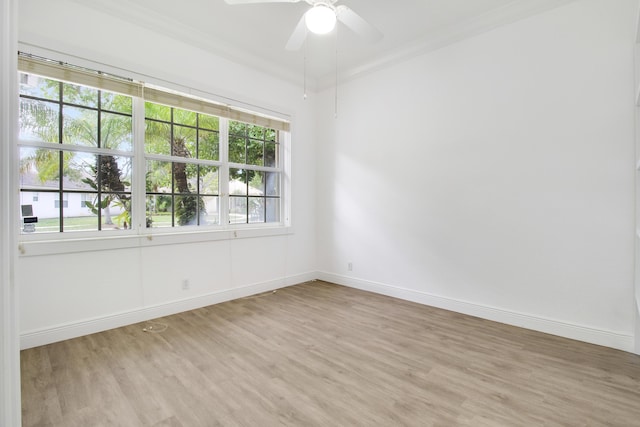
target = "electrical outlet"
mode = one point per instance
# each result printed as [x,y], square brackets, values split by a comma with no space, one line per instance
[349,266]
[185,284]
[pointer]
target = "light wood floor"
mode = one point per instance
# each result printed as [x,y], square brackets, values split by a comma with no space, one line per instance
[319,354]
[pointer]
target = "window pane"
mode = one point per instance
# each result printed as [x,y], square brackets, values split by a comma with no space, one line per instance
[80,126]
[256,132]
[208,122]
[256,183]
[271,154]
[115,102]
[39,87]
[184,141]
[79,95]
[270,135]
[272,183]
[116,214]
[80,171]
[256,209]
[255,152]
[184,117]
[237,128]
[39,168]
[185,177]
[158,176]
[236,150]
[159,211]
[208,145]
[237,181]
[157,111]
[209,180]
[189,210]
[116,132]
[39,121]
[212,210]
[77,218]
[157,138]
[237,210]
[115,173]
[273,210]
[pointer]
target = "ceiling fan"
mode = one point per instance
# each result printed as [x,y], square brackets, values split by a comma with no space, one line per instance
[321,18]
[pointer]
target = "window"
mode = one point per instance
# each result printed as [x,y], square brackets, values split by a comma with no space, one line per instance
[254,178]
[198,163]
[183,160]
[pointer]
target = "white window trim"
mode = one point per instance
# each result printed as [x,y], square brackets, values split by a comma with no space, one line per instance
[82,241]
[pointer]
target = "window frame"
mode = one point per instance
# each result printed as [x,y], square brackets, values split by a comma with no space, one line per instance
[138,234]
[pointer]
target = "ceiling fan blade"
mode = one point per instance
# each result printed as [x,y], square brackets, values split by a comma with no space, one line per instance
[233,2]
[355,23]
[298,36]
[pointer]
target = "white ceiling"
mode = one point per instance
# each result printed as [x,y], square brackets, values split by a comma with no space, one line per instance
[255,34]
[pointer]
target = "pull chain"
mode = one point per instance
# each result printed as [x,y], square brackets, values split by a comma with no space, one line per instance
[304,72]
[335,111]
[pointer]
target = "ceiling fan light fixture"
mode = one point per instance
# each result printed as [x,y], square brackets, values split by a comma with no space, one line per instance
[320,19]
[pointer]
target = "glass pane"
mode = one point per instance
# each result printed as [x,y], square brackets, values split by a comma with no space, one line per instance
[41,206]
[115,173]
[237,128]
[271,154]
[272,181]
[273,210]
[116,211]
[256,209]
[184,141]
[158,176]
[157,111]
[256,183]
[255,152]
[159,210]
[39,168]
[115,102]
[237,182]
[39,121]
[80,126]
[189,210]
[208,122]
[44,208]
[270,135]
[185,177]
[212,209]
[76,217]
[184,117]
[209,180]
[39,87]
[80,171]
[208,145]
[256,132]
[236,150]
[116,133]
[79,95]
[157,138]
[237,210]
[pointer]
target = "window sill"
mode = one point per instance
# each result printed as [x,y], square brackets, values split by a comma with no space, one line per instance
[103,243]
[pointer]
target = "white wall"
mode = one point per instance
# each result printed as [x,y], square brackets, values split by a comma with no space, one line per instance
[493,176]
[10,414]
[69,294]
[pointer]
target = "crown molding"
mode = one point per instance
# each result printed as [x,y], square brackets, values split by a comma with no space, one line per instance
[166,26]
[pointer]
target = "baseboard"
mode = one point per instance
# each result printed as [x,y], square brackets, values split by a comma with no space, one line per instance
[605,338]
[57,333]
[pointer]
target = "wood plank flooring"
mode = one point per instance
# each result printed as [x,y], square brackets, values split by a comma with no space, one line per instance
[319,354]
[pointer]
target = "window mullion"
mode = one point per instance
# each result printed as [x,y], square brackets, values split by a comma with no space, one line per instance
[223,181]
[138,186]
